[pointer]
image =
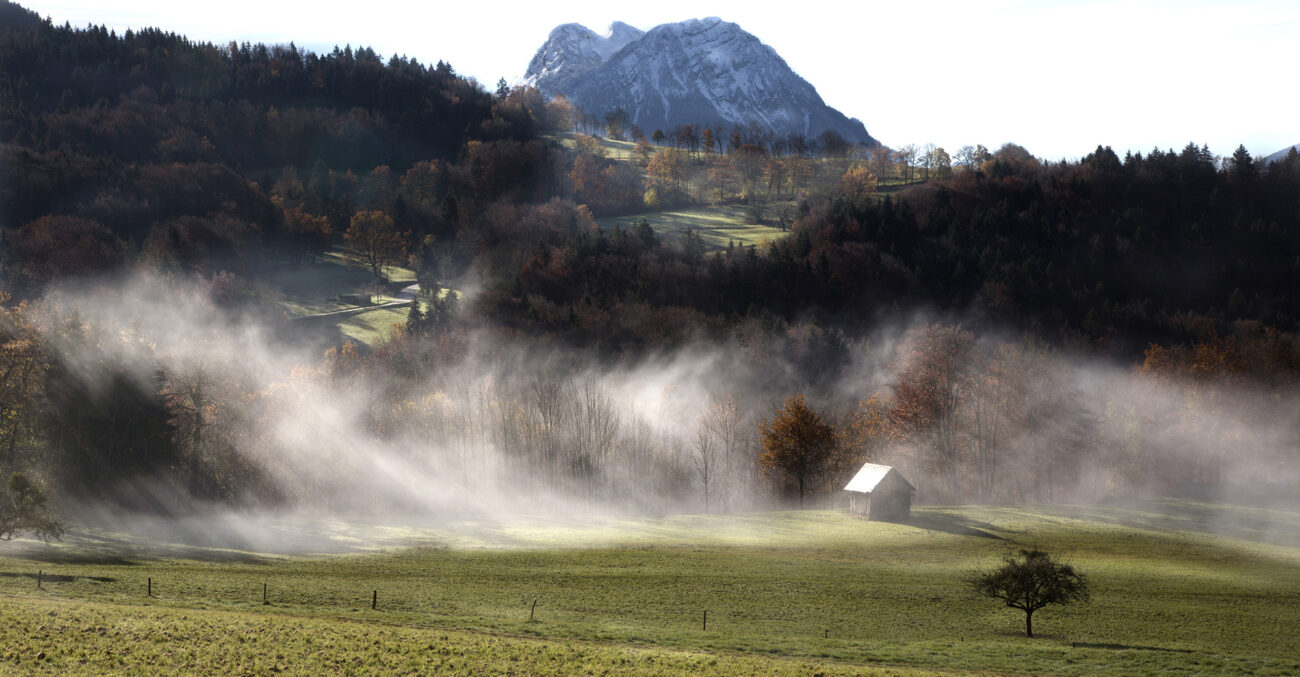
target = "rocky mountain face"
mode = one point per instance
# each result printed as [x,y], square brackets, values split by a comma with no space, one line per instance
[573,49]
[701,71]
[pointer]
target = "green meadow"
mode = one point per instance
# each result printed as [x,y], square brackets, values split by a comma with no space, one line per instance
[309,291]
[311,287]
[615,150]
[717,225]
[1178,588]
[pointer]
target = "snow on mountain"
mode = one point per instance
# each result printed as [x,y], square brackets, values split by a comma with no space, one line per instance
[701,71]
[573,49]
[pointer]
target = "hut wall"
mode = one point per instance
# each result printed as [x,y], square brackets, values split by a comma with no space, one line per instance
[891,504]
[859,503]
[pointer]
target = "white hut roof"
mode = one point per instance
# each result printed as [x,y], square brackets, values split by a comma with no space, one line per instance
[869,477]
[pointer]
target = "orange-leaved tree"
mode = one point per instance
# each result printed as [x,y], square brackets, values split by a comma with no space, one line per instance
[796,443]
[375,236]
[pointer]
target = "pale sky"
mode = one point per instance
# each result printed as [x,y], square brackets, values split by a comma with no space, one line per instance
[1058,78]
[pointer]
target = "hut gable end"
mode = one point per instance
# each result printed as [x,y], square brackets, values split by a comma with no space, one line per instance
[881,493]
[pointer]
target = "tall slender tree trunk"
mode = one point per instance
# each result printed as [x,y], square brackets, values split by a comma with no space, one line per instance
[1029,623]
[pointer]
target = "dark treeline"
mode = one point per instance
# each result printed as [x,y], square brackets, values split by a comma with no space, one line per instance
[53,70]
[715,137]
[146,144]
[1103,253]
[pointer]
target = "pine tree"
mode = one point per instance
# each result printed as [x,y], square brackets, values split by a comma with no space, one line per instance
[415,320]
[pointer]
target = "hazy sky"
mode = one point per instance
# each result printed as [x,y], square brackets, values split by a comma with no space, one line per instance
[1056,77]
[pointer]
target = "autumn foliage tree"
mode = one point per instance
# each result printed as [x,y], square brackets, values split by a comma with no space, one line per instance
[858,182]
[861,439]
[666,178]
[65,246]
[797,444]
[23,365]
[375,237]
[930,389]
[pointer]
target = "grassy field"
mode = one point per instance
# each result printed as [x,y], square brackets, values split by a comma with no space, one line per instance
[717,224]
[308,288]
[372,326]
[311,288]
[615,150]
[57,637]
[796,592]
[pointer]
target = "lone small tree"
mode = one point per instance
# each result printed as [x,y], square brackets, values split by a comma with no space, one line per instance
[1031,582]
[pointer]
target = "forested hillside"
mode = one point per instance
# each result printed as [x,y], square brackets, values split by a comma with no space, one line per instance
[999,327]
[149,146]
[1100,254]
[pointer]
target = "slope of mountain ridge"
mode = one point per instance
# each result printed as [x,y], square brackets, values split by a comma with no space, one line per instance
[1280,155]
[703,71]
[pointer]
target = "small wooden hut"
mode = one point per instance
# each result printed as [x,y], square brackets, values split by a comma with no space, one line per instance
[880,493]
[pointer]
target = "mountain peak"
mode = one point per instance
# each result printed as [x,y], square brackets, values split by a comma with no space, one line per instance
[699,71]
[572,49]
[625,33]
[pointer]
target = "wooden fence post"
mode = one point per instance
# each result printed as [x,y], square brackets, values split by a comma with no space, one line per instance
[374,599]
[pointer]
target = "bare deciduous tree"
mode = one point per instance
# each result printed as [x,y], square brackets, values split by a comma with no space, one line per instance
[706,460]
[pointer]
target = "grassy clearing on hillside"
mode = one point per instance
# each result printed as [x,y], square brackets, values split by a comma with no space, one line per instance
[372,326]
[307,288]
[805,585]
[311,288]
[615,150]
[717,225]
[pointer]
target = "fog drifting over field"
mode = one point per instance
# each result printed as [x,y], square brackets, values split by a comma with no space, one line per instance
[513,432]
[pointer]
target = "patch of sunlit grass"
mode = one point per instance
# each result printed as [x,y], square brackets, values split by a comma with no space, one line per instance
[372,326]
[717,225]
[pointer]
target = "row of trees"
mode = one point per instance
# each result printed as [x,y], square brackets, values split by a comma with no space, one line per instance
[1094,255]
[717,138]
[983,421]
[966,418]
[670,177]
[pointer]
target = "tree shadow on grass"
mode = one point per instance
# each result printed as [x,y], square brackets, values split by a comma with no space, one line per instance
[1277,523]
[99,549]
[1124,647]
[950,524]
[55,578]
[79,557]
